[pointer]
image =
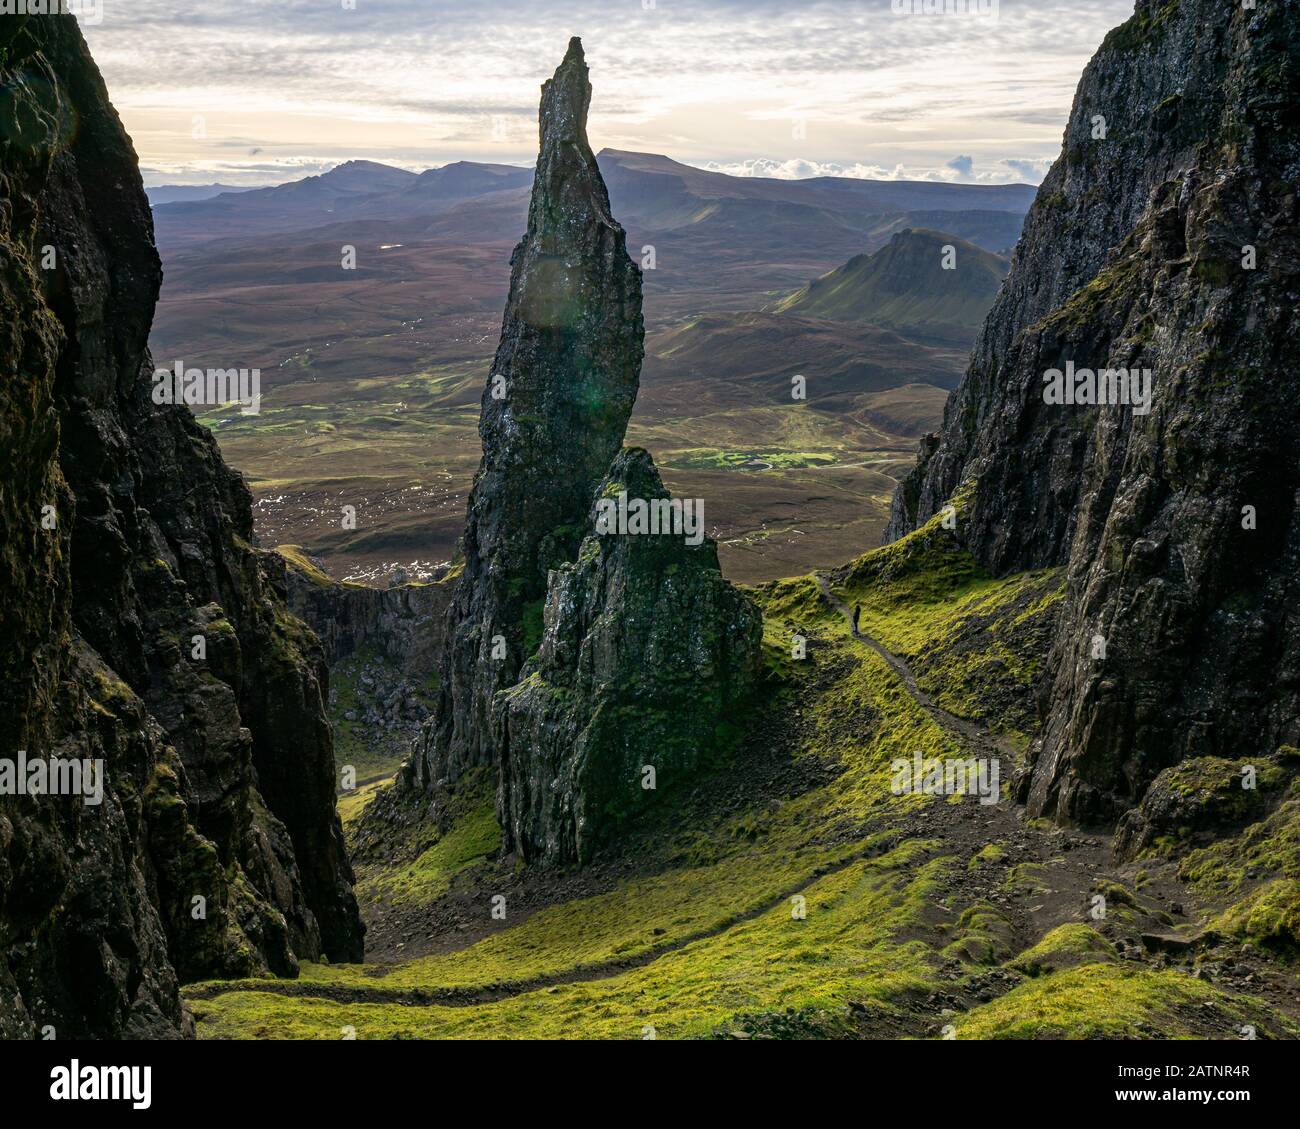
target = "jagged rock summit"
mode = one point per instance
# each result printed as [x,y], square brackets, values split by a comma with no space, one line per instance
[1164,242]
[635,644]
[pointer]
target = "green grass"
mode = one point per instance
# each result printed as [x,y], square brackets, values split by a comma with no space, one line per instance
[714,459]
[1066,946]
[352,804]
[1268,847]
[705,939]
[471,839]
[1107,1001]
[297,557]
[851,947]
[964,632]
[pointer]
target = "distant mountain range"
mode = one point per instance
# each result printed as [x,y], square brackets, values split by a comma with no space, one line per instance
[375,373]
[178,193]
[719,242]
[654,195]
[356,190]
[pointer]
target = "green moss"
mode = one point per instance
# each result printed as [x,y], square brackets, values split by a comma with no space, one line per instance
[470,840]
[1269,917]
[533,625]
[1203,796]
[984,936]
[1114,893]
[1026,879]
[297,559]
[848,948]
[1108,1001]
[706,940]
[795,601]
[753,459]
[990,853]
[1213,272]
[1066,946]
[1268,848]
[1140,29]
[976,644]
[352,804]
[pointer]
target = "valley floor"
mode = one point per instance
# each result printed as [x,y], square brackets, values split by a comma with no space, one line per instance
[791,893]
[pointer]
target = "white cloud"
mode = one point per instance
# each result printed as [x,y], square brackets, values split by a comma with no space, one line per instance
[421,82]
[959,169]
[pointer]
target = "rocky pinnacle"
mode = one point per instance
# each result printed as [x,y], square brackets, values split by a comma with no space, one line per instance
[554,413]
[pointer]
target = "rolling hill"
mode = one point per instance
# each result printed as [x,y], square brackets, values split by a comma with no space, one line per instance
[906,286]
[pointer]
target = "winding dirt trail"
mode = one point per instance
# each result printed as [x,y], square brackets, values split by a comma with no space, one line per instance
[490,993]
[968,733]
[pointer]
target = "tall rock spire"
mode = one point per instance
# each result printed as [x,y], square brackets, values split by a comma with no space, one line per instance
[554,414]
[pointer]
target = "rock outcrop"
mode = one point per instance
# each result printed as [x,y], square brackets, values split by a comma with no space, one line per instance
[632,649]
[403,623]
[646,658]
[554,413]
[1163,239]
[141,629]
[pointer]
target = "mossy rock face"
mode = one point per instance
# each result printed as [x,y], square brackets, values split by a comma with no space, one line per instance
[219,775]
[1201,799]
[1135,259]
[1270,918]
[646,656]
[1257,874]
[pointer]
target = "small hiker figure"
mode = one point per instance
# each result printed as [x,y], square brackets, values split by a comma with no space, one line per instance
[857,611]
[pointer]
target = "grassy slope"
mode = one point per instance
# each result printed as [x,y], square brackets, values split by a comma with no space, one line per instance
[708,940]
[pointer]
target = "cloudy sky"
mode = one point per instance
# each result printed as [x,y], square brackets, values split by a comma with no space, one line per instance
[260,91]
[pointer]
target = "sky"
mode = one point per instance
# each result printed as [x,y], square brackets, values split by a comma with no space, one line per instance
[263,91]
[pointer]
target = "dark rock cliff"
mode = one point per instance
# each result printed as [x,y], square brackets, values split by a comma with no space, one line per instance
[646,655]
[404,624]
[1164,238]
[554,413]
[123,538]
